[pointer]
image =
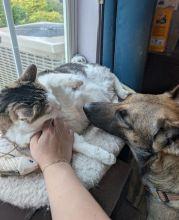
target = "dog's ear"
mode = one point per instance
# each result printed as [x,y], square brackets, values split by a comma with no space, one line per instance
[166,138]
[174,94]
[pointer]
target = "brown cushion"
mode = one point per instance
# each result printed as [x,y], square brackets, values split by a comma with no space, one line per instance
[110,188]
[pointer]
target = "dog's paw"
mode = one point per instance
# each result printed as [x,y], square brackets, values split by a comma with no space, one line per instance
[109,159]
[124,94]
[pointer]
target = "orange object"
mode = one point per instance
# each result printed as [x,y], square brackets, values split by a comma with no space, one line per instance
[160,29]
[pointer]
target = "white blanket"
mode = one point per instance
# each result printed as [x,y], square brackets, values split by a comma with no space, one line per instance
[29,191]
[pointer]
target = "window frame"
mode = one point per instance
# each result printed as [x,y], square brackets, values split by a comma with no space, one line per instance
[13,36]
[70,31]
[70,28]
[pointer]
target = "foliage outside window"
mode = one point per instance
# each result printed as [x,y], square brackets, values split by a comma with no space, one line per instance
[30,11]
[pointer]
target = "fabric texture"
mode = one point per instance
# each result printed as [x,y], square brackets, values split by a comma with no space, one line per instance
[127,26]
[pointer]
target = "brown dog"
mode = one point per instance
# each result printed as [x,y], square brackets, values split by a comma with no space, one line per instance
[150,126]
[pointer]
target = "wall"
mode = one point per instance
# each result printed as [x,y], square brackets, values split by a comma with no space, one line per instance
[87,23]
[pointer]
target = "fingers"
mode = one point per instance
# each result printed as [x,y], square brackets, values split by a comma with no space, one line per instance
[48,128]
[61,127]
[34,139]
[56,126]
[59,124]
[72,135]
[47,124]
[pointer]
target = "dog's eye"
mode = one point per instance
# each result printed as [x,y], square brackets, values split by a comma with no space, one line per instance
[124,117]
[120,114]
[168,141]
[174,138]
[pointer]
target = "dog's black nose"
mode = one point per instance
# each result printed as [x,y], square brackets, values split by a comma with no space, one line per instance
[98,113]
[87,108]
[91,106]
[92,110]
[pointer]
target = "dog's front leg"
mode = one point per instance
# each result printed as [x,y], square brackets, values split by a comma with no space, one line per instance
[93,151]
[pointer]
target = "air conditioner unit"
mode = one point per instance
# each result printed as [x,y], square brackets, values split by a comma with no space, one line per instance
[40,43]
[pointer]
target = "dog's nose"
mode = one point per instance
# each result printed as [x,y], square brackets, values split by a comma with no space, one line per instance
[87,108]
[93,107]
[92,110]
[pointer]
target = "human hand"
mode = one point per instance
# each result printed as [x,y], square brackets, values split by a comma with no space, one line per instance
[54,143]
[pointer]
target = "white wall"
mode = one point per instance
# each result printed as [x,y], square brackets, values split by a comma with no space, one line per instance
[87,22]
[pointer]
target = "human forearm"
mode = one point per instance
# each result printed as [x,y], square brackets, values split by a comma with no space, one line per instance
[68,198]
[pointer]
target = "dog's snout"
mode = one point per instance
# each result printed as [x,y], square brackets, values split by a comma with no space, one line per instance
[87,107]
[91,110]
[100,114]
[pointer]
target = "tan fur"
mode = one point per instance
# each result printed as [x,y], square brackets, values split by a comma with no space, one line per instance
[150,126]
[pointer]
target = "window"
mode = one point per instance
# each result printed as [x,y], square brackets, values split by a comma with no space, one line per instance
[45,33]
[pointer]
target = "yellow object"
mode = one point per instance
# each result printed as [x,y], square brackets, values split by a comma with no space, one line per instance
[160,29]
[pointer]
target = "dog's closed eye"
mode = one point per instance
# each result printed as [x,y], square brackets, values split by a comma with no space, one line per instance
[123,117]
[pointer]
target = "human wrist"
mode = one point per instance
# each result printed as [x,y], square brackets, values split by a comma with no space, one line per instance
[53,167]
[52,163]
[45,161]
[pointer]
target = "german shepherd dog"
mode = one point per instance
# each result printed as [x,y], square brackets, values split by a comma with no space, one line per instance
[150,126]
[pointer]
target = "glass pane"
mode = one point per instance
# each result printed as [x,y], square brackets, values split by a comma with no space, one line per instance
[7,67]
[40,33]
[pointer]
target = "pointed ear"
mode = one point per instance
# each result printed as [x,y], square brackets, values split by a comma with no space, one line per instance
[175,93]
[29,74]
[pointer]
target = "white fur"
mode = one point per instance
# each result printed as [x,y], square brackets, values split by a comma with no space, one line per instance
[99,84]
[78,59]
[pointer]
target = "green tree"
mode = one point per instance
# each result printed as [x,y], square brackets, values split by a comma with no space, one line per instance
[55,5]
[52,16]
[30,6]
[19,14]
[2,16]
[28,11]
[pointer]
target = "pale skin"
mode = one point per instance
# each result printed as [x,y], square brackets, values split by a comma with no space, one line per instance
[69,200]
